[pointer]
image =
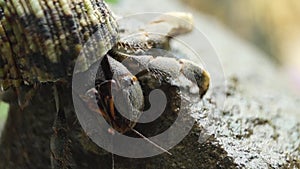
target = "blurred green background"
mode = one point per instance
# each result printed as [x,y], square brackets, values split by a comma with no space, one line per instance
[112,1]
[3,113]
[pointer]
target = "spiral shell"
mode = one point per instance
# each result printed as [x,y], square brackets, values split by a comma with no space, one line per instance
[41,39]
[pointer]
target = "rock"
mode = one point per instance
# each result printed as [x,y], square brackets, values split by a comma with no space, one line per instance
[258,125]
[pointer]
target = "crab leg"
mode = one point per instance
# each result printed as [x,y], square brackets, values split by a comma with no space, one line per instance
[59,142]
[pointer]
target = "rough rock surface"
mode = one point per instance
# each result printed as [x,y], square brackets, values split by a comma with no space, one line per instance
[259,125]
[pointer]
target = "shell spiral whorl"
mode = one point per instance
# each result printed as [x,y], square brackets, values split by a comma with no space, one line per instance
[41,39]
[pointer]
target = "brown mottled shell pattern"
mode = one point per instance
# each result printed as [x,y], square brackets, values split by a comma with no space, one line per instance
[41,39]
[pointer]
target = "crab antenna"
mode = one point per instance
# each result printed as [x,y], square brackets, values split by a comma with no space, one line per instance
[112,161]
[112,157]
[56,98]
[151,142]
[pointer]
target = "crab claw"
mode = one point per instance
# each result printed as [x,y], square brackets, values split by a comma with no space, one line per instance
[169,70]
[120,95]
[195,74]
[109,89]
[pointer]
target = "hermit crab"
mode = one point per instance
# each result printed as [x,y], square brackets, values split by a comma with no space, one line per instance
[133,67]
[42,40]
